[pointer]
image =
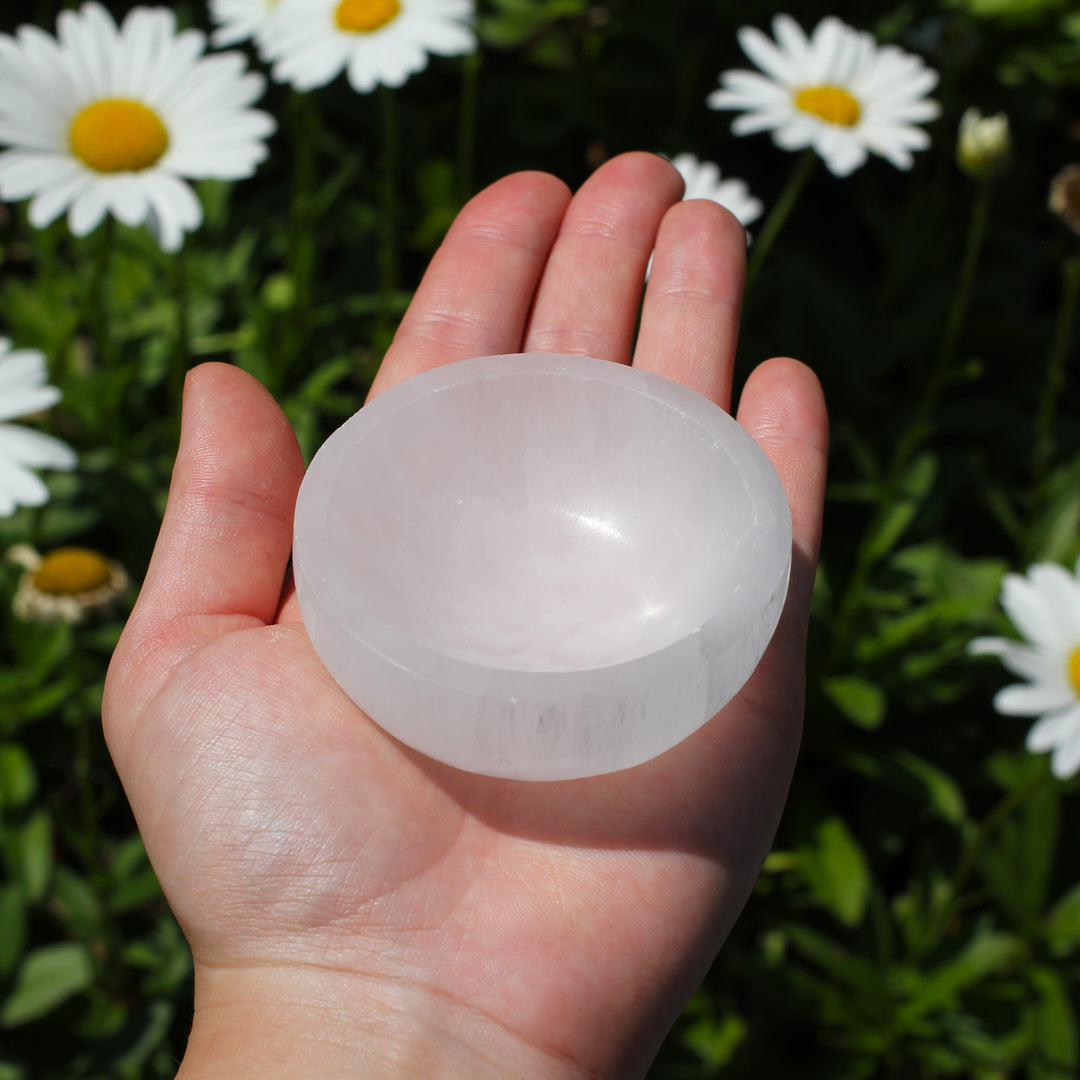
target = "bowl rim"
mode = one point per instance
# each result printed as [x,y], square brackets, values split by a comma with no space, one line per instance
[380,637]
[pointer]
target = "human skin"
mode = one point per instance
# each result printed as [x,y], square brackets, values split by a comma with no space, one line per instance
[355,909]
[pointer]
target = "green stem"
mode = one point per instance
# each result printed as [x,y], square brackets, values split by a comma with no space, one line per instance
[303,124]
[470,82]
[976,237]
[780,212]
[388,270]
[95,304]
[182,350]
[973,842]
[919,428]
[1055,370]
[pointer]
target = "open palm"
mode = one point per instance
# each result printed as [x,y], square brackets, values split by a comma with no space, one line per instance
[354,908]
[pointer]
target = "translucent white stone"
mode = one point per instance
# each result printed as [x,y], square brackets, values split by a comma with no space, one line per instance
[541,566]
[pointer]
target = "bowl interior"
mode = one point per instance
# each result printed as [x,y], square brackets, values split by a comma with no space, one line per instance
[539,521]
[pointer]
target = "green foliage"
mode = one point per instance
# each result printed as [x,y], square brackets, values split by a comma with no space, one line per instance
[920,914]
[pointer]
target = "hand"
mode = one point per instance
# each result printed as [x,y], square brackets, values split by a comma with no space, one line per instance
[353,908]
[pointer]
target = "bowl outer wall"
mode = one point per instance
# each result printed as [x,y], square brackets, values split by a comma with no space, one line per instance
[539,725]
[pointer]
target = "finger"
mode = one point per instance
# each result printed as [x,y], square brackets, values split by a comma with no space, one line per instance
[475,296]
[749,749]
[783,407]
[588,300]
[690,318]
[227,532]
[289,606]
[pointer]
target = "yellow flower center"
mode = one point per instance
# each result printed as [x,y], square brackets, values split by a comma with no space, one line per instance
[71,571]
[1074,670]
[366,16]
[117,135]
[832,103]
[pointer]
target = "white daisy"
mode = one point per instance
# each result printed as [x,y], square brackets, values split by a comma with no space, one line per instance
[310,42]
[838,91]
[240,20]
[1044,605]
[23,390]
[702,180]
[108,120]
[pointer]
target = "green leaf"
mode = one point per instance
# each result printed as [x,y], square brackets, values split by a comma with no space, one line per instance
[1055,1036]
[18,779]
[135,892]
[938,571]
[943,793]
[860,700]
[1012,10]
[915,486]
[987,954]
[12,928]
[47,978]
[714,1041]
[28,847]
[922,912]
[1018,861]
[836,871]
[75,903]
[129,1048]
[1062,923]
[519,20]
[132,879]
[435,184]
[848,969]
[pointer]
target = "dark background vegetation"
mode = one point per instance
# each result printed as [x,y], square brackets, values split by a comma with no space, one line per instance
[920,914]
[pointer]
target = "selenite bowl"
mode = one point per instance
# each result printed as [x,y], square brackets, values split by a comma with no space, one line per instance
[541,566]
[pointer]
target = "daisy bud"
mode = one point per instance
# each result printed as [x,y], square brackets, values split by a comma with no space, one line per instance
[983,144]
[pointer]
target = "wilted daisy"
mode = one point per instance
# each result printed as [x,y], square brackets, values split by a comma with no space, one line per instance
[23,391]
[107,120]
[1065,196]
[1044,605]
[702,180]
[240,20]
[375,42]
[837,91]
[66,584]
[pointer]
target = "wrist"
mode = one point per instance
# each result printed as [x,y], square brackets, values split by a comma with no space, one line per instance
[302,1023]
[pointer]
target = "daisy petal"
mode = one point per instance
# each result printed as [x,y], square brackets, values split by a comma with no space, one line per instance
[767,56]
[88,210]
[1022,660]
[1053,728]
[19,487]
[1030,699]
[1065,760]
[34,448]
[1032,611]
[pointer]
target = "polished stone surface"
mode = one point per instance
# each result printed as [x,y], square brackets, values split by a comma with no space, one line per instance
[541,566]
